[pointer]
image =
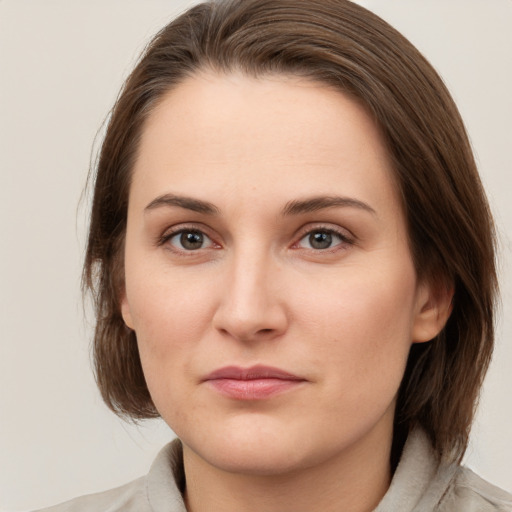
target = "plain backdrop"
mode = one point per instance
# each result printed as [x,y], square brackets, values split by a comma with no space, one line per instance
[61,65]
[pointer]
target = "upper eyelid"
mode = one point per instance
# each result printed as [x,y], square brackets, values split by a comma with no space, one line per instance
[324,226]
[187,226]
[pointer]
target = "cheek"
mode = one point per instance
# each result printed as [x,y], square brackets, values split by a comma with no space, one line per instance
[363,324]
[168,328]
[170,316]
[163,302]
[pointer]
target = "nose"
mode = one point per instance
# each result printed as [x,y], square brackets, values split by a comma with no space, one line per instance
[252,307]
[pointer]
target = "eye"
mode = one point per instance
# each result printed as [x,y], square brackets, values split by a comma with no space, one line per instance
[189,240]
[322,239]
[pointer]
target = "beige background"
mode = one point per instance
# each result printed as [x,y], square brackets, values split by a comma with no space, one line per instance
[61,65]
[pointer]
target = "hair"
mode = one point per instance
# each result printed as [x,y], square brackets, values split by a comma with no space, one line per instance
[450,228]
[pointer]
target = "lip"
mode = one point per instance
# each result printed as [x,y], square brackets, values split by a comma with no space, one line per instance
[254,383]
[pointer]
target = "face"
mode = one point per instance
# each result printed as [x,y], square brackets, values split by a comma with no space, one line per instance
[268,275]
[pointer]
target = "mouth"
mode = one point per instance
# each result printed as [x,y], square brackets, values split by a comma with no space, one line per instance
[254,383]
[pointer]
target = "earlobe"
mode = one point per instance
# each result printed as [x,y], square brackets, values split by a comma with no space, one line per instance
[126,312]
[434,307]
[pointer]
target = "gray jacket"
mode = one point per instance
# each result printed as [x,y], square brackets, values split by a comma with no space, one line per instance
[420,484]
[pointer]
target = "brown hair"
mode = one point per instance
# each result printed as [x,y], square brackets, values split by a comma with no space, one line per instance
[450,228]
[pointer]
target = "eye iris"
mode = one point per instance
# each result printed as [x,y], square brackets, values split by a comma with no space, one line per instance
[320,240]
[191,240]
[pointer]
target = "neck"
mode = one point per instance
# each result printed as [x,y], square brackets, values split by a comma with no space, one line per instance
[354,481]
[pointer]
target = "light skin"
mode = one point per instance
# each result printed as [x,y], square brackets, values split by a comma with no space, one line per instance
[264,228]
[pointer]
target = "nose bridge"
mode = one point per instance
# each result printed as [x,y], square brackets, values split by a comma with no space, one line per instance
[250,306]
[251,281]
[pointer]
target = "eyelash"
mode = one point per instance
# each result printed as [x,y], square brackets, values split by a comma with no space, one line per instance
[169,235]
[343,238]
[342,235]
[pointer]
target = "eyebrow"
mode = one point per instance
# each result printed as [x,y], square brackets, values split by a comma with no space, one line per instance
[295,207]
[314,204]
[188,203]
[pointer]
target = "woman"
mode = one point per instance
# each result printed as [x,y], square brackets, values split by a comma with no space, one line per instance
[293,263]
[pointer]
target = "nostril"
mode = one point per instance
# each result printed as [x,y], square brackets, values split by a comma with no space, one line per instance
[247,319]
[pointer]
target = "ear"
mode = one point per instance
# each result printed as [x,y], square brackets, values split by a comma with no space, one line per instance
[433,308]
[126,312]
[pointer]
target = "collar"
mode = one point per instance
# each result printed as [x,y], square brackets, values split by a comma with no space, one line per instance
[418,484]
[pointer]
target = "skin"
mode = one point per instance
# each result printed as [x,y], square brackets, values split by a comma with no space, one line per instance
[258,290]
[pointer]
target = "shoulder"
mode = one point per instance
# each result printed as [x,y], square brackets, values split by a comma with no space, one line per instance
[158,491]
[130,497]
[471,493]
[424,483]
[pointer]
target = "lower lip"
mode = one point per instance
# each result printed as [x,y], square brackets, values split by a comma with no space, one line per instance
[253,389]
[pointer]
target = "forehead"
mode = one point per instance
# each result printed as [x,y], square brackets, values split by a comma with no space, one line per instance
[272,134]
[209,110]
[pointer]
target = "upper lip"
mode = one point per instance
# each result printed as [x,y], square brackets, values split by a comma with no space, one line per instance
[251,373]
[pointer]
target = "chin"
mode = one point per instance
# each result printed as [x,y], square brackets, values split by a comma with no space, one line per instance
[260,450]
[269,459]
[244,445]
